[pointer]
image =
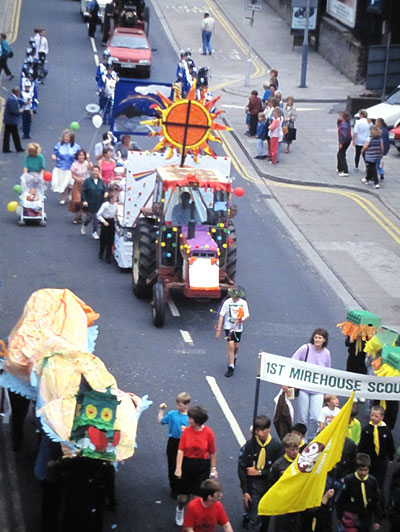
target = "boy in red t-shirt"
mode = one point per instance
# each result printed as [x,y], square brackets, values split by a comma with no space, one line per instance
[205,513]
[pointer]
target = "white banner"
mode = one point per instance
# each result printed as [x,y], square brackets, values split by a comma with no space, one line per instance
[343,10]
[313,378]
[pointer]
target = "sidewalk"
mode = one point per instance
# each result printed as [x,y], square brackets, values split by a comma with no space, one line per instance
[313,155]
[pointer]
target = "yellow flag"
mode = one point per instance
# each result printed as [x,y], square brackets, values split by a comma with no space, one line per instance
[302,485]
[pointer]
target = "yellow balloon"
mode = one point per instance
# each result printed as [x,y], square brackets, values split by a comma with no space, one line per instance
[12,206]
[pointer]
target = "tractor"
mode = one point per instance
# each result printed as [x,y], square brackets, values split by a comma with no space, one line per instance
[185,240]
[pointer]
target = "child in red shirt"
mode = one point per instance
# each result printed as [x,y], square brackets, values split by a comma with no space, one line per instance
[196,458]
[274,130]
[205,513]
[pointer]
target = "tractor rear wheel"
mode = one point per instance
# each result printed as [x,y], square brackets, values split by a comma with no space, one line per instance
[231,256]
[158,305]
[143,258]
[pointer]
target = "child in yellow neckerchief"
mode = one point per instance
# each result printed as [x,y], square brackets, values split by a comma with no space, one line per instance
[255,460]
[359,503]
[377,441]
[291,443]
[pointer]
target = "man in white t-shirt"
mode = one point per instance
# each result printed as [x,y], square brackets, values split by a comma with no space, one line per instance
[207,28]
[233,313]
[360,135]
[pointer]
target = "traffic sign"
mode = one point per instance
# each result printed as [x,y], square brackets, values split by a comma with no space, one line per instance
[252,7]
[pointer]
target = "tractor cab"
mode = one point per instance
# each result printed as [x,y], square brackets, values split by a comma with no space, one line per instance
[194,248]
[132,14]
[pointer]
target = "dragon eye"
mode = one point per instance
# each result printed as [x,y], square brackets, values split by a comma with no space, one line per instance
[91,411]
[106,414]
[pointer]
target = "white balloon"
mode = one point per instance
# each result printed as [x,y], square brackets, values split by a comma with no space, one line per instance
[97,121]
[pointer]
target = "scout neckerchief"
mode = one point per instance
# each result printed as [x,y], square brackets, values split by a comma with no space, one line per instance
[261,456]
[376,435]
[363,492]
[286,457]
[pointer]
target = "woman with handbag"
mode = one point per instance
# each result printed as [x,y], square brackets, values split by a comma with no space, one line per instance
[310,403]
[290,116]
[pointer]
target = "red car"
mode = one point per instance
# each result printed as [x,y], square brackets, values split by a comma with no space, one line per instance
[394,137]
[130,51]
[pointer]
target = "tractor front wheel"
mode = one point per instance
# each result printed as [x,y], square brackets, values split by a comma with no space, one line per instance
[158,305]
[144,258]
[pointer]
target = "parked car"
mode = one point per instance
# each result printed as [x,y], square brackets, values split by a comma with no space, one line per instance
[130,52]
[389,110]
[102,5]
[394,137]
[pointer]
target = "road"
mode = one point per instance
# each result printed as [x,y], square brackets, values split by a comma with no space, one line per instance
[287,297]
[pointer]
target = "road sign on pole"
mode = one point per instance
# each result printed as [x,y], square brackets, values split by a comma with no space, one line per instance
[252,7]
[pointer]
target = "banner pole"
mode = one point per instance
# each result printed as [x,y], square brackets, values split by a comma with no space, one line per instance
[257,394]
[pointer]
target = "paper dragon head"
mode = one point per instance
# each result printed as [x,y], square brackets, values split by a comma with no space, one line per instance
[93,430]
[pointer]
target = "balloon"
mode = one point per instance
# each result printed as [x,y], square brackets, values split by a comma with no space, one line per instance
[47,176]
[97,121]
[74,126]
[12,206]
[17,189]
[238,191]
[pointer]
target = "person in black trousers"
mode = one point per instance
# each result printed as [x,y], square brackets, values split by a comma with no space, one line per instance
[5,54]
[107,215]
[19,411]
[344,134]
[94,19]
[377,441]
[12,112]
[255,461]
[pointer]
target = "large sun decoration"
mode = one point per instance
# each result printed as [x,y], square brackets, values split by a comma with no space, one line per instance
[186,124]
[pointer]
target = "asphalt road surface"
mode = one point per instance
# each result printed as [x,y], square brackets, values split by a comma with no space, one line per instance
[287,298]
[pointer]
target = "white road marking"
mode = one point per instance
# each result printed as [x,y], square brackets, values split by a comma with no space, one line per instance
[233,106]
[237,431]
[93,45]
[96,59]
[173,308]
[186,336]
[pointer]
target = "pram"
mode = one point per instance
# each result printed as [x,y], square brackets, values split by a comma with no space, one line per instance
[32,199]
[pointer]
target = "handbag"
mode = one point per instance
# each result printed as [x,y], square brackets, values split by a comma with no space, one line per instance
[10,53]
[291,134]
[296,390]
[285,130]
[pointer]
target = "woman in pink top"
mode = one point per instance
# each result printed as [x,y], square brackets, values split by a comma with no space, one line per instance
[107,165]
[310,403]
[80,170]
[274,130]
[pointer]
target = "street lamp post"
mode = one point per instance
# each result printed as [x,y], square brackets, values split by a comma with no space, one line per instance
[304,51]
[248,62]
